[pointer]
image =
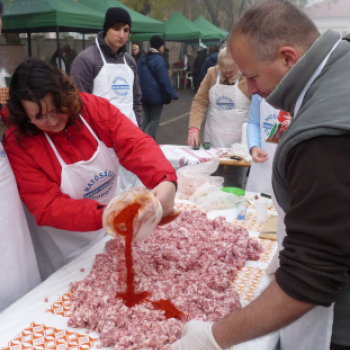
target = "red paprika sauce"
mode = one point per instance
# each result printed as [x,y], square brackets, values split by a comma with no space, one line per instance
[124,225]
[165,220]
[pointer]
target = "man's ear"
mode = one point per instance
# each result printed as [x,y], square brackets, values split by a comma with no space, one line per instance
[290,55]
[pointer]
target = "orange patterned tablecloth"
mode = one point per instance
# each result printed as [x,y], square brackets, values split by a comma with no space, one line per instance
[39,337]
[48,330]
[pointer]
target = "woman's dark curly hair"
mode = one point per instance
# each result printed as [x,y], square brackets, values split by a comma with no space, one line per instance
[32,81]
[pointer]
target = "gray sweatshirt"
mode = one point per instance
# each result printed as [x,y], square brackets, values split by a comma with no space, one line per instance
[88,64]
[311,182]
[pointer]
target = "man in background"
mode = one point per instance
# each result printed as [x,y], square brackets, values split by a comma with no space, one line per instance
[58,60]
[69,55]
[157,89]
[106,69]
[136,53]
[211,61]
[202,55]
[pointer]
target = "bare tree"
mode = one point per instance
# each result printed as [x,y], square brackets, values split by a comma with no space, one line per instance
[12,39]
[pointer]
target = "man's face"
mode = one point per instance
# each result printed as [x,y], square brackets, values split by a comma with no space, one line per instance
[262,77]
[135,51]
[117,36]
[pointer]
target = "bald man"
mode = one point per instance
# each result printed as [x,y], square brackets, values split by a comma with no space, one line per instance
[286,60]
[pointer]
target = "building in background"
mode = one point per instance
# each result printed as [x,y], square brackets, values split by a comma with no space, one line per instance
[331,14]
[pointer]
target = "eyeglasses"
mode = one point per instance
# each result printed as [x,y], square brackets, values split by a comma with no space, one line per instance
[43,117]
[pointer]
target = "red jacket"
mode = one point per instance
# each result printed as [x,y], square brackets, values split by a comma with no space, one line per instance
[38,172]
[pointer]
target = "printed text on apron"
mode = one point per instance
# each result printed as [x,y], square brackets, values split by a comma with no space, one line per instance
[115,82]
[94,179]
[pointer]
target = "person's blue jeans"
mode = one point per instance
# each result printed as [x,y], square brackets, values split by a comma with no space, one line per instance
[151,117]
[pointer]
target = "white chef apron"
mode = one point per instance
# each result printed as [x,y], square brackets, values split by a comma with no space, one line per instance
[259,179]
[115,82]
[94,179]
[228,110]
[312,331]
[19,271]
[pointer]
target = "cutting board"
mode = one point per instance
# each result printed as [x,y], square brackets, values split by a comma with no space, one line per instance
[269,230]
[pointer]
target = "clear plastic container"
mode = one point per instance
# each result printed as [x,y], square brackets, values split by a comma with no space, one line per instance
[147,218]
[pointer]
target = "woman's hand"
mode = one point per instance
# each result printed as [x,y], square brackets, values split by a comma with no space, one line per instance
[165,193]
[258,155]
[193,138]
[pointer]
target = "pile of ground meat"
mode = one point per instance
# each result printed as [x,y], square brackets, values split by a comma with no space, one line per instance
[190,261]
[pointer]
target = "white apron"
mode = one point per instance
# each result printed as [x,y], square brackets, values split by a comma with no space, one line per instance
[228,110]
[259,179]
[312,331]
[94,179]
[115,82]
[19,271]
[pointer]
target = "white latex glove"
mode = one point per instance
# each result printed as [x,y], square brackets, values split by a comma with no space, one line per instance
[196,335]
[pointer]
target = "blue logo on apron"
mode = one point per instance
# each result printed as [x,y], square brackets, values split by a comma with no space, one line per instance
[2,154]
[103,187]
[268,123]
[120,86]
[225,103]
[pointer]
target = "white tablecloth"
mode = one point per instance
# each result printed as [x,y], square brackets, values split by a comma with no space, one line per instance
[180,156]
[29,311]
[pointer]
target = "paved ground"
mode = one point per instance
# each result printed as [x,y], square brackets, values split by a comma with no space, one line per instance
[173,128]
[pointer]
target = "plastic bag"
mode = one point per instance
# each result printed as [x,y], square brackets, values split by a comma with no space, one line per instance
[3,74]
[208,197]
[191,177]
[241,150]
[202,191]
[147,218]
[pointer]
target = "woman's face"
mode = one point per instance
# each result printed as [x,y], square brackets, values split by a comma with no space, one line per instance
[230,73]
[49,119]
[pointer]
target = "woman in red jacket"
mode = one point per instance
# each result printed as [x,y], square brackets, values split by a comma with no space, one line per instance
[65,148]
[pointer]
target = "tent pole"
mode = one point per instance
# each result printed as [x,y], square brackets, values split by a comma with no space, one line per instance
[58,46]
[29,42]
[83,41]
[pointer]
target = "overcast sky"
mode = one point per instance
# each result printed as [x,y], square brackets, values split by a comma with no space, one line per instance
[311,2]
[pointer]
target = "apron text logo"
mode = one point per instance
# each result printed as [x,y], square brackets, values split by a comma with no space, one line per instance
[120,86]
[225,103]
[105,186]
